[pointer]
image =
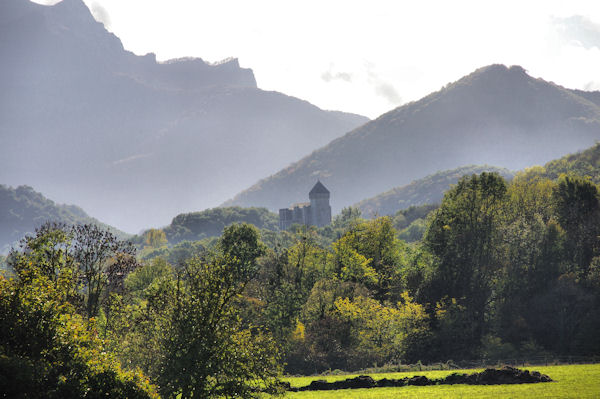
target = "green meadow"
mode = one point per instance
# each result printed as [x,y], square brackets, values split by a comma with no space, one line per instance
[570,381]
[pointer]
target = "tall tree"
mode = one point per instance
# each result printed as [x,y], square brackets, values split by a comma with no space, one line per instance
[577,204]
[464,237]
[104,262]
[207,351]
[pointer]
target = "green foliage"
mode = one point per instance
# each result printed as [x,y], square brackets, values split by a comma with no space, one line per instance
[346,217]
[404,218]
[142,278]
[46,348]
[286,281]
[180,252]
[155,238]
[383,334]
[577,203]
[207,351]
[414,232]
[211,222]
[585,164]
[98,261]
[420,193]
[377,256]
[464,235]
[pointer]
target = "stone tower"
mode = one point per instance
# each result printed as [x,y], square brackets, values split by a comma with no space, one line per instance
[317,212]
[320,210]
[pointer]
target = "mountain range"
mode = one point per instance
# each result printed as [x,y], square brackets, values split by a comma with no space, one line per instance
[130,139]
[497,115]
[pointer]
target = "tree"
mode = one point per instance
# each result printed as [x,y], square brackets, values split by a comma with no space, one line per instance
[464,237]
[103,263]
[383,334]
[155,238]
[46,348]
[346,218]
[577,203]
[207,352]
[533,257]
[370,252]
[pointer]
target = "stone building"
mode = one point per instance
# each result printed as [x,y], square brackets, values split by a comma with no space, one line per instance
[317,212]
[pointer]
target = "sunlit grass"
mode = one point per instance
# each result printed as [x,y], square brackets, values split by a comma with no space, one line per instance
[571,381]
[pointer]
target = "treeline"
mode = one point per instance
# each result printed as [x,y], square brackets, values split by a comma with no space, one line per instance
[209,223]
[497,270]
[502,270]
[81,317]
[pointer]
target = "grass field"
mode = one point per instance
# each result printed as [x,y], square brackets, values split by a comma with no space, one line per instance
[571,381]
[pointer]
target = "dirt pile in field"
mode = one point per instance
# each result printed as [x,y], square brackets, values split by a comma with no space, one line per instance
[505,375]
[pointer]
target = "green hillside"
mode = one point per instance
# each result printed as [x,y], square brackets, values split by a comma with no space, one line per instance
[211,222]
[22,209]
[585,163]
[428,190]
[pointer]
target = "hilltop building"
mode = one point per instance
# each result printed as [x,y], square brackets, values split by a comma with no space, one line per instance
[317,212]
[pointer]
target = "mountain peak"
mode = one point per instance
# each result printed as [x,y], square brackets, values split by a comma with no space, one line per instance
[494,75]
[496,115]
[72,4]
[70,9]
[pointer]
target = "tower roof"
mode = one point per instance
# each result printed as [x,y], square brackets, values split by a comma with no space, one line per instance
[318,188]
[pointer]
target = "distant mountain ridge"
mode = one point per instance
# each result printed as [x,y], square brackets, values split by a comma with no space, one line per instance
[496,115]
[22,210]
[132,140]
[428,190]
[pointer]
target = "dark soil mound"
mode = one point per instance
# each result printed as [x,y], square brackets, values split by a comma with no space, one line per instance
[505,375]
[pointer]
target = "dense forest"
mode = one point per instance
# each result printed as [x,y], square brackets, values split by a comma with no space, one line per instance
[503,269]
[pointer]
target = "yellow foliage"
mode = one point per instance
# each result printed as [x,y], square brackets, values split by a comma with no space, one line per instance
[298,334]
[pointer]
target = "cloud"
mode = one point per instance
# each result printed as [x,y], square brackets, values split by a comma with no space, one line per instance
[382,87]
[131,159]
[329,75]
[389,92]
[579,29]
[100,14]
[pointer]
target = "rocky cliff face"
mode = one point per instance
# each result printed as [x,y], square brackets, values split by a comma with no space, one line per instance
[42,42]
[132,140]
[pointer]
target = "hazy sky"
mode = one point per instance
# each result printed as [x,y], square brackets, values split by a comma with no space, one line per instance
[366,56]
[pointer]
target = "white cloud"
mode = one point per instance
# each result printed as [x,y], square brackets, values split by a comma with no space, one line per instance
[579,29]
[100,14]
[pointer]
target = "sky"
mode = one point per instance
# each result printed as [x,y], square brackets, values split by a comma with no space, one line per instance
[366,57]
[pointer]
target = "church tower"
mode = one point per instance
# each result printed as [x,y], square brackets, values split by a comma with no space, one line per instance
[320,210]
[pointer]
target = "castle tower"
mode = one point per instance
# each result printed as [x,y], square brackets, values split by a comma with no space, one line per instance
[320,211]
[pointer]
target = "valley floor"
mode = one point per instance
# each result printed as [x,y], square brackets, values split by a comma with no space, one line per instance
[570,381]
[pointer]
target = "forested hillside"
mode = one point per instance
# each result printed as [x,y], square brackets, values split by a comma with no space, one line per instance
[496,115]
[211,222]
[585,163]
[23,209]
[428,190]
[133,140]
